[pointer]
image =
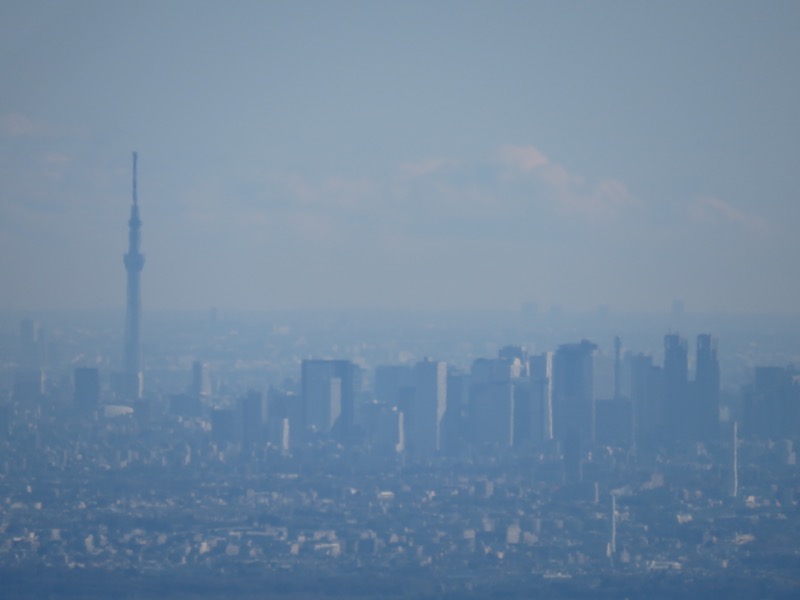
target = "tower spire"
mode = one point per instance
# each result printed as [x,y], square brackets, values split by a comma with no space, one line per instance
[134,262]
[135,197]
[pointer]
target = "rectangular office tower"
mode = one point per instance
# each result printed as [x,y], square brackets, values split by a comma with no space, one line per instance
[706,389]
[646,388]
[772,404]
[540,368]
[573,392]
[677,407]
[253,411]
[492,398]
[427,408]
[329,395]
[492,407]
[201,381]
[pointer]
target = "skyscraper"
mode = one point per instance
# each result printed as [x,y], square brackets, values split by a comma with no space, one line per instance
[707,388]
[676,386]
[428,408]
[647,391]
[540,368]
[772,404]
[134,261]
[201,380]
[492,398]
[573,396]
[330,388]
[253,413]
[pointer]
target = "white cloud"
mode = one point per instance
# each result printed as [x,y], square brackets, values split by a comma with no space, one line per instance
[606,198]
[526,158]
[350,194]
[573,196]
[708,209]
[445,196]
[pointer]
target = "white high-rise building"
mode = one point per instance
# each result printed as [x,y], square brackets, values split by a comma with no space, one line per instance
[429,406]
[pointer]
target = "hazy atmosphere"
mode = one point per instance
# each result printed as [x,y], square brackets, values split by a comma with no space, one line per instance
[402,155]
[442,300]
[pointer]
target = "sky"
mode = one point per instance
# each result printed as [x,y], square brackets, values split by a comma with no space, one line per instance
[403,155]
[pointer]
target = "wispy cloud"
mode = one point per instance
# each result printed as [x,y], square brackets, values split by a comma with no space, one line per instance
[572,194]
[526,158]
[18,125]
[333,192]
[427,166]
[708,209]
[508,193]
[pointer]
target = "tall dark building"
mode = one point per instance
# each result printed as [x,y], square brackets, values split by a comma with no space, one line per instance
[647,388]
[134,261]
[492,410]
[573,394]
[540,368]
[677,404]
[329,396]
[253,412]
[492,398]
[617,367]
[201,380]
[706,388]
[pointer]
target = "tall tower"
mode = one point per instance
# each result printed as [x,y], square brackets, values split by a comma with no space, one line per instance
[677,405]
[573,392]
[428,408]
[134,261]
[707,389]
[735,465]
[617,367]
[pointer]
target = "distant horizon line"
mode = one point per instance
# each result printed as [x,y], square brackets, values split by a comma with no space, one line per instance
[553,311]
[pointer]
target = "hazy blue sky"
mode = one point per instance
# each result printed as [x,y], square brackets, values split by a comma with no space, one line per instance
[402,154]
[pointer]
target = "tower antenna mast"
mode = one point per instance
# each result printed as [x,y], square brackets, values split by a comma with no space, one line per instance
[135,197]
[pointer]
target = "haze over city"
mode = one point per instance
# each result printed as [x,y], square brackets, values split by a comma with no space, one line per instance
[441,155]
[444,300]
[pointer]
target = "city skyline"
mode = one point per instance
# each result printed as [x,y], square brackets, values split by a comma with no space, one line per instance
[406,157]
[252,459]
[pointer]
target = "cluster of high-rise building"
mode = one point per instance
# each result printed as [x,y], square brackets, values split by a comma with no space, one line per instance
[515,401]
